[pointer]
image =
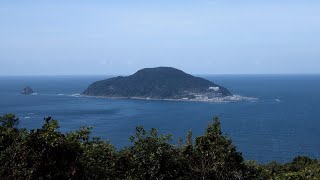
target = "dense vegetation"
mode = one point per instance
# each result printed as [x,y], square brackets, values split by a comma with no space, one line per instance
[159,83]
[46,153]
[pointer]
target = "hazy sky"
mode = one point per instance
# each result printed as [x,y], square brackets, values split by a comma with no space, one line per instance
[198,36]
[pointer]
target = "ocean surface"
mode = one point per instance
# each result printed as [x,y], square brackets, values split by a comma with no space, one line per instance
[282,123]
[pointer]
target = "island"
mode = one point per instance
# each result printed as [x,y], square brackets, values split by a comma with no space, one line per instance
[161,83]
[27,90]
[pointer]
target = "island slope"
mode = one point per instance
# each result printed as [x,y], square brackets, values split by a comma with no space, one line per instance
[158,83]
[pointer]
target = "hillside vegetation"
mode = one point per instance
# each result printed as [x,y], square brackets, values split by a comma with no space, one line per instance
[157,83]
[47,153]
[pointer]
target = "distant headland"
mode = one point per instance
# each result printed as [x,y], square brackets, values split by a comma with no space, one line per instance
[161,83]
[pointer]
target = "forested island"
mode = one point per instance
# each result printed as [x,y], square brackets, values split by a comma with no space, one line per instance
[47,153]
[164,83]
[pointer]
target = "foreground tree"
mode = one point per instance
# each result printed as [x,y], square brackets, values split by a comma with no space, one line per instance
[215,157]
[301,167]
[43,154]
[9,133]
[47,153]
[150,156]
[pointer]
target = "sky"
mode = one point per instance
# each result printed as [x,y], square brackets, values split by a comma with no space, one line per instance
[101,37]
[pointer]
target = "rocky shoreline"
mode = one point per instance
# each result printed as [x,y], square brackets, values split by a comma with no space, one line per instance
[233,98]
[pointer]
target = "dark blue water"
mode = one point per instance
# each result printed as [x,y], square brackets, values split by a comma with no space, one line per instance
[283,123]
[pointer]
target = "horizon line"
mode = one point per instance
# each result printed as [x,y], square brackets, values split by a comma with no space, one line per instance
[218,74]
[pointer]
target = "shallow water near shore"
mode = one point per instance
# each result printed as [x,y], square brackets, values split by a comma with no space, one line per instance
[281,124]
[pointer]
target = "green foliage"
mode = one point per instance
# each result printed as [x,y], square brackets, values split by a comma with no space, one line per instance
[47,153]
[214,156]
[9,121]
[99,160]
[151,156]
[9,133]
[43,154]
[256,171]
[301,167]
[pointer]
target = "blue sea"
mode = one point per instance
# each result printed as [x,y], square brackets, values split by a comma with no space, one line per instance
[282,123]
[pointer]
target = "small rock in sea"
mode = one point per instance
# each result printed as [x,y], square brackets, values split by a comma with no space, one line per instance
[27,90]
